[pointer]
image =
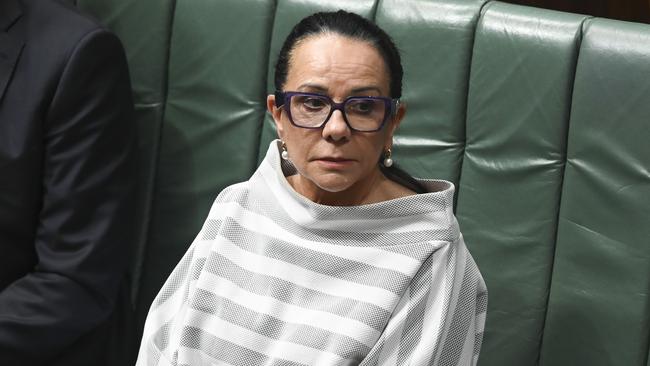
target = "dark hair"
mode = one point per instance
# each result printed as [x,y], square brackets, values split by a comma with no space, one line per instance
[346,24]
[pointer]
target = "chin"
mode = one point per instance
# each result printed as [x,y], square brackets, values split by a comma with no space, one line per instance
[334,184]
[334,188]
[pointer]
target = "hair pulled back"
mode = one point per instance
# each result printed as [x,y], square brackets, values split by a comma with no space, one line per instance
[349,25]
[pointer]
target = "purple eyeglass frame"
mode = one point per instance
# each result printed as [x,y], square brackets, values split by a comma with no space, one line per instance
[390,104]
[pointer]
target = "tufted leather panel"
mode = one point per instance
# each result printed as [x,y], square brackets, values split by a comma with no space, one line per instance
[518,111]
[598,309]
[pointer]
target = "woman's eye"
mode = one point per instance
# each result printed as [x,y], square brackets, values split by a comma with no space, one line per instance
[362,107]
[314,103]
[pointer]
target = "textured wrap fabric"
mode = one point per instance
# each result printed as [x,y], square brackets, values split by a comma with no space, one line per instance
[275,279]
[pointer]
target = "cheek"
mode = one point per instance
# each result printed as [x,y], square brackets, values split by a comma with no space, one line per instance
[281,127]
[370,149]
[382,141]
[387,134]
[298,143]
[383,144]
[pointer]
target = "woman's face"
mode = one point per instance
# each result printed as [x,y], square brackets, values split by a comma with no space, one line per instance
[335,160]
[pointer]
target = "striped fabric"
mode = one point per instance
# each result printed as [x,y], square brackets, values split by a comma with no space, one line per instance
[275,279]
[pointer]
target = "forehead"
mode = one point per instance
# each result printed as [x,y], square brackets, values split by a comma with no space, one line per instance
[337,62]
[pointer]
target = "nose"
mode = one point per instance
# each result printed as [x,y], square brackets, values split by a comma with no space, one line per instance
[336,128]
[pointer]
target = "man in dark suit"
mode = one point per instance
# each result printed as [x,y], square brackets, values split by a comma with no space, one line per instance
[66,187]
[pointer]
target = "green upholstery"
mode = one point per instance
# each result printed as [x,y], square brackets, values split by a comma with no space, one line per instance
[601,273]
[540,118]
[517,117]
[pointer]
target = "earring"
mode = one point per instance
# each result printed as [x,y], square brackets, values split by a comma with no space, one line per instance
[285,153]
[388,162]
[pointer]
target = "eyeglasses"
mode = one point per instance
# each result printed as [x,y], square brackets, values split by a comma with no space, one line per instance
[310,110]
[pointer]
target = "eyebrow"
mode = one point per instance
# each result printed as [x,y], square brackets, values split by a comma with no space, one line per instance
[365,89]
[320,88]
[312,86]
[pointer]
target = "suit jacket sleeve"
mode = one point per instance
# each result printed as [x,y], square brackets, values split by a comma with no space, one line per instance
[85,228]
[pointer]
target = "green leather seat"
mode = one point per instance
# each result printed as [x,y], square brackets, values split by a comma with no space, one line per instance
[540,118]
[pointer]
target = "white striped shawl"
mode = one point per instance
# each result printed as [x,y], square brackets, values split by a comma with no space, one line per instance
[275,279]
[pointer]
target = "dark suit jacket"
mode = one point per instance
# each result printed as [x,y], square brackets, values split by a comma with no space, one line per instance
[66,186]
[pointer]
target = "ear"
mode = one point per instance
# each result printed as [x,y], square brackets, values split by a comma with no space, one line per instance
[394,123]
[276,113]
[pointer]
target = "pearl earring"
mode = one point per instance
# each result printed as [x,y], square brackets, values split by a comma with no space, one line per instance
[285,153]
[388,162]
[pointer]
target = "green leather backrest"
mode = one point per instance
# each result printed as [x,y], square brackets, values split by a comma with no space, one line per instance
[601,273]
[540,118]
[517,117]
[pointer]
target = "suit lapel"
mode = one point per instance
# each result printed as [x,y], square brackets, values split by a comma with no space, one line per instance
[10,47]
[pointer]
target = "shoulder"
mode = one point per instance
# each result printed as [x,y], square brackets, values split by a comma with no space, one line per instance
[236,193]
[55,29]
[54,15]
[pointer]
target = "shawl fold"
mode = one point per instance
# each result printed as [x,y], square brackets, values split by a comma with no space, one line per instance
[275,279]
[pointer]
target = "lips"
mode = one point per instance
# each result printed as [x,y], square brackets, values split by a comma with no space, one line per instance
[333,158]
[334,161]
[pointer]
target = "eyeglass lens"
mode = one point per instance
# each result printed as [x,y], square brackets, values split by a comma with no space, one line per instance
[364,114]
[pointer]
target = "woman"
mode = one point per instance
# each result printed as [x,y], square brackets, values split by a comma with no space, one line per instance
[328,255]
